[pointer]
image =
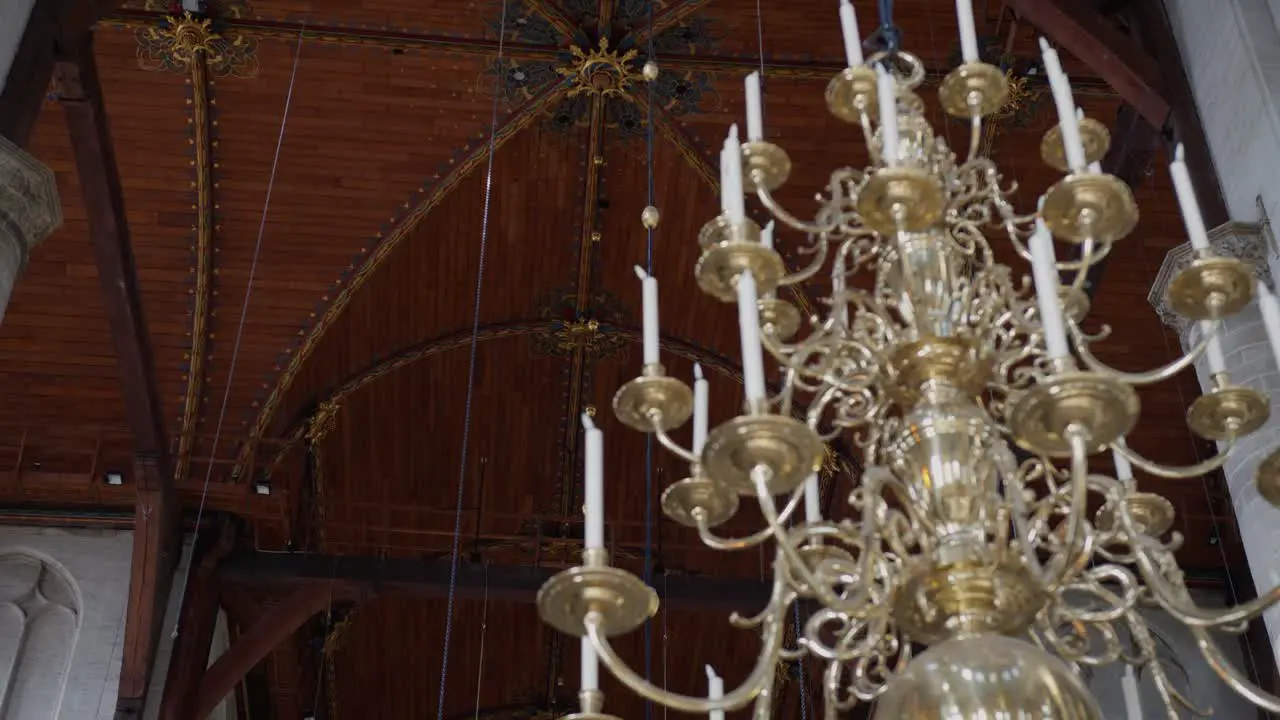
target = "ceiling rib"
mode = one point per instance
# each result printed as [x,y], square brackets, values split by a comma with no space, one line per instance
[554,14]
[387,243]
[683,143]
[667,19]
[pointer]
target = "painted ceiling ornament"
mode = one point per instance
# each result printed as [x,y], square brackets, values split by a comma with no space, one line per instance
[568,332]
[174,45]
[601,71]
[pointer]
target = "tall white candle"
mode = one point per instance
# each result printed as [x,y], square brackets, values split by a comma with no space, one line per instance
[755,109]
[1191,216]
[1132,701]
[812,500]
[1213,353]
[701,408]
[968,36]
[649,286]
[725,205]
[1060,86]
[715,691]
[1044,269]
[593,462]
[887,95]
[849,28]
[749,328]
[1124,469]
[733,187]
[590,679]
[1270,318]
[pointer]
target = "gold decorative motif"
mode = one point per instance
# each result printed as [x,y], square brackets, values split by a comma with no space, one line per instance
[601,72]
[182,40]
[323,422]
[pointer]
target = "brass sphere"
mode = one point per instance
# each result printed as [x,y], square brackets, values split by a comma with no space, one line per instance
[650,71]
[650,217]
[987,676]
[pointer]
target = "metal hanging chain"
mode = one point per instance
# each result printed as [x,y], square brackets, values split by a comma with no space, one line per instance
[244,313]
[484,630]
[471,370]
[888,37]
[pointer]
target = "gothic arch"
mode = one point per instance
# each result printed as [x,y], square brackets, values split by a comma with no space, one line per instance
[40,610]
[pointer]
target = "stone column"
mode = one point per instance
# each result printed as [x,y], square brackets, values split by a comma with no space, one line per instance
[29,211]
[1250,363]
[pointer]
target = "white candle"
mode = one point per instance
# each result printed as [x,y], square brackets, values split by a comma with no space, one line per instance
[725,205]
[1044,269]
[715,691]
[849,28]
[701,407]
[1191,216]
[593,466]
[1060,86]
[968,36]
[749,328]
[1095,167]
[1217,363]
[732,189]
[1270,318]
[590,679]
[887,95]
[1124,470]
[1132,701]
[649,286]
[755,109]
[191,6]
[812,501]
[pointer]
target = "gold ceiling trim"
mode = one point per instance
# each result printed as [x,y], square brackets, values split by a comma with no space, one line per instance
[601,72]
[180,40]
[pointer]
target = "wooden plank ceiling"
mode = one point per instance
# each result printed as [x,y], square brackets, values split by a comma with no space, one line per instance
[367,253]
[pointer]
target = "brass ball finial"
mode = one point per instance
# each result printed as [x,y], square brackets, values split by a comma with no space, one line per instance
[650,217]
[590,410]
[650,71]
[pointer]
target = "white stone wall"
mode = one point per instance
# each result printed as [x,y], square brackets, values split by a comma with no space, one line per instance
[13,23]
[97,562]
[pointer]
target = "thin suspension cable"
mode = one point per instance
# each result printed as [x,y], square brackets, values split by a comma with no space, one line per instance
[484,629]
[648,442]
[471,371]
[244,312]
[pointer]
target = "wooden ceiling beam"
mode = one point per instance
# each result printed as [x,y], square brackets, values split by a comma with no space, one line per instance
[157,509]
[555,15]
[671,16]
[1108,52]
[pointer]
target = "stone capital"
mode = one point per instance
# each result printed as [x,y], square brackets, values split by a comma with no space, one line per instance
[29,205]
[1250,242]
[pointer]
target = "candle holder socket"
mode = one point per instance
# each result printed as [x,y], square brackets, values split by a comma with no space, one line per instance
[1267,478]
[1152,514]
[1102,406]
[900,199]
[1075,303]
[592,704]
[1090,205]
[974,89]
[1228,412]
[787,449]
[653,401]
[622,601]
[817,557]
[682,500]
[1094,137]
[729,249]
[851,94]
[765,165]
[779,318]
[1211,287]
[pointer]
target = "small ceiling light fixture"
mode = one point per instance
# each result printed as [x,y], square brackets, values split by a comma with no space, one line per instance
[262,487]
[113,478]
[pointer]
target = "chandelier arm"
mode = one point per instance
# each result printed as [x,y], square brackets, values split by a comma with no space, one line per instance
[1230,674]
[1147,648]
[864,120]
[1177,473]
[771,638]
[1020,516]
[1086,251]
[808,271]
[672,445]
[1173,597]
[1061,567]
[715,542]
[1081,342]
[780,213]
[975,137]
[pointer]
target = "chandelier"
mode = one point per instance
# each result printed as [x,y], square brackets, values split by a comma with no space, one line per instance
[980,565]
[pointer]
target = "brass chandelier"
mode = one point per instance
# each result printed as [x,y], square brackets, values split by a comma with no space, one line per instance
[975,401]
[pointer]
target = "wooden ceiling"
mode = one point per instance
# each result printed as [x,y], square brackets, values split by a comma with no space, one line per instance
[360,216]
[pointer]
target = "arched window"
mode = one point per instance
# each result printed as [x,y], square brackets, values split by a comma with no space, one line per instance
[39,623]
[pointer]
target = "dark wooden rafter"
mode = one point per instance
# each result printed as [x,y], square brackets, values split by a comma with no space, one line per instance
[276,624]
[669,17]
[24,91]
[155,534]
[551,11]
[682,141]
[1099,44]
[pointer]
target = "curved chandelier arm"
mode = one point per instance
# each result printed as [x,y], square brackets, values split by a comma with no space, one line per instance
[1230,675]
[771,638]
[672,445]
[1175,600]
[1160,374]
[1176,473]
[975,137]
[1067,563]
[715,542]
[815,264]
[779,212]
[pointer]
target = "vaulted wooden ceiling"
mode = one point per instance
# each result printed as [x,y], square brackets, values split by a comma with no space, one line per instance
[337,152]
